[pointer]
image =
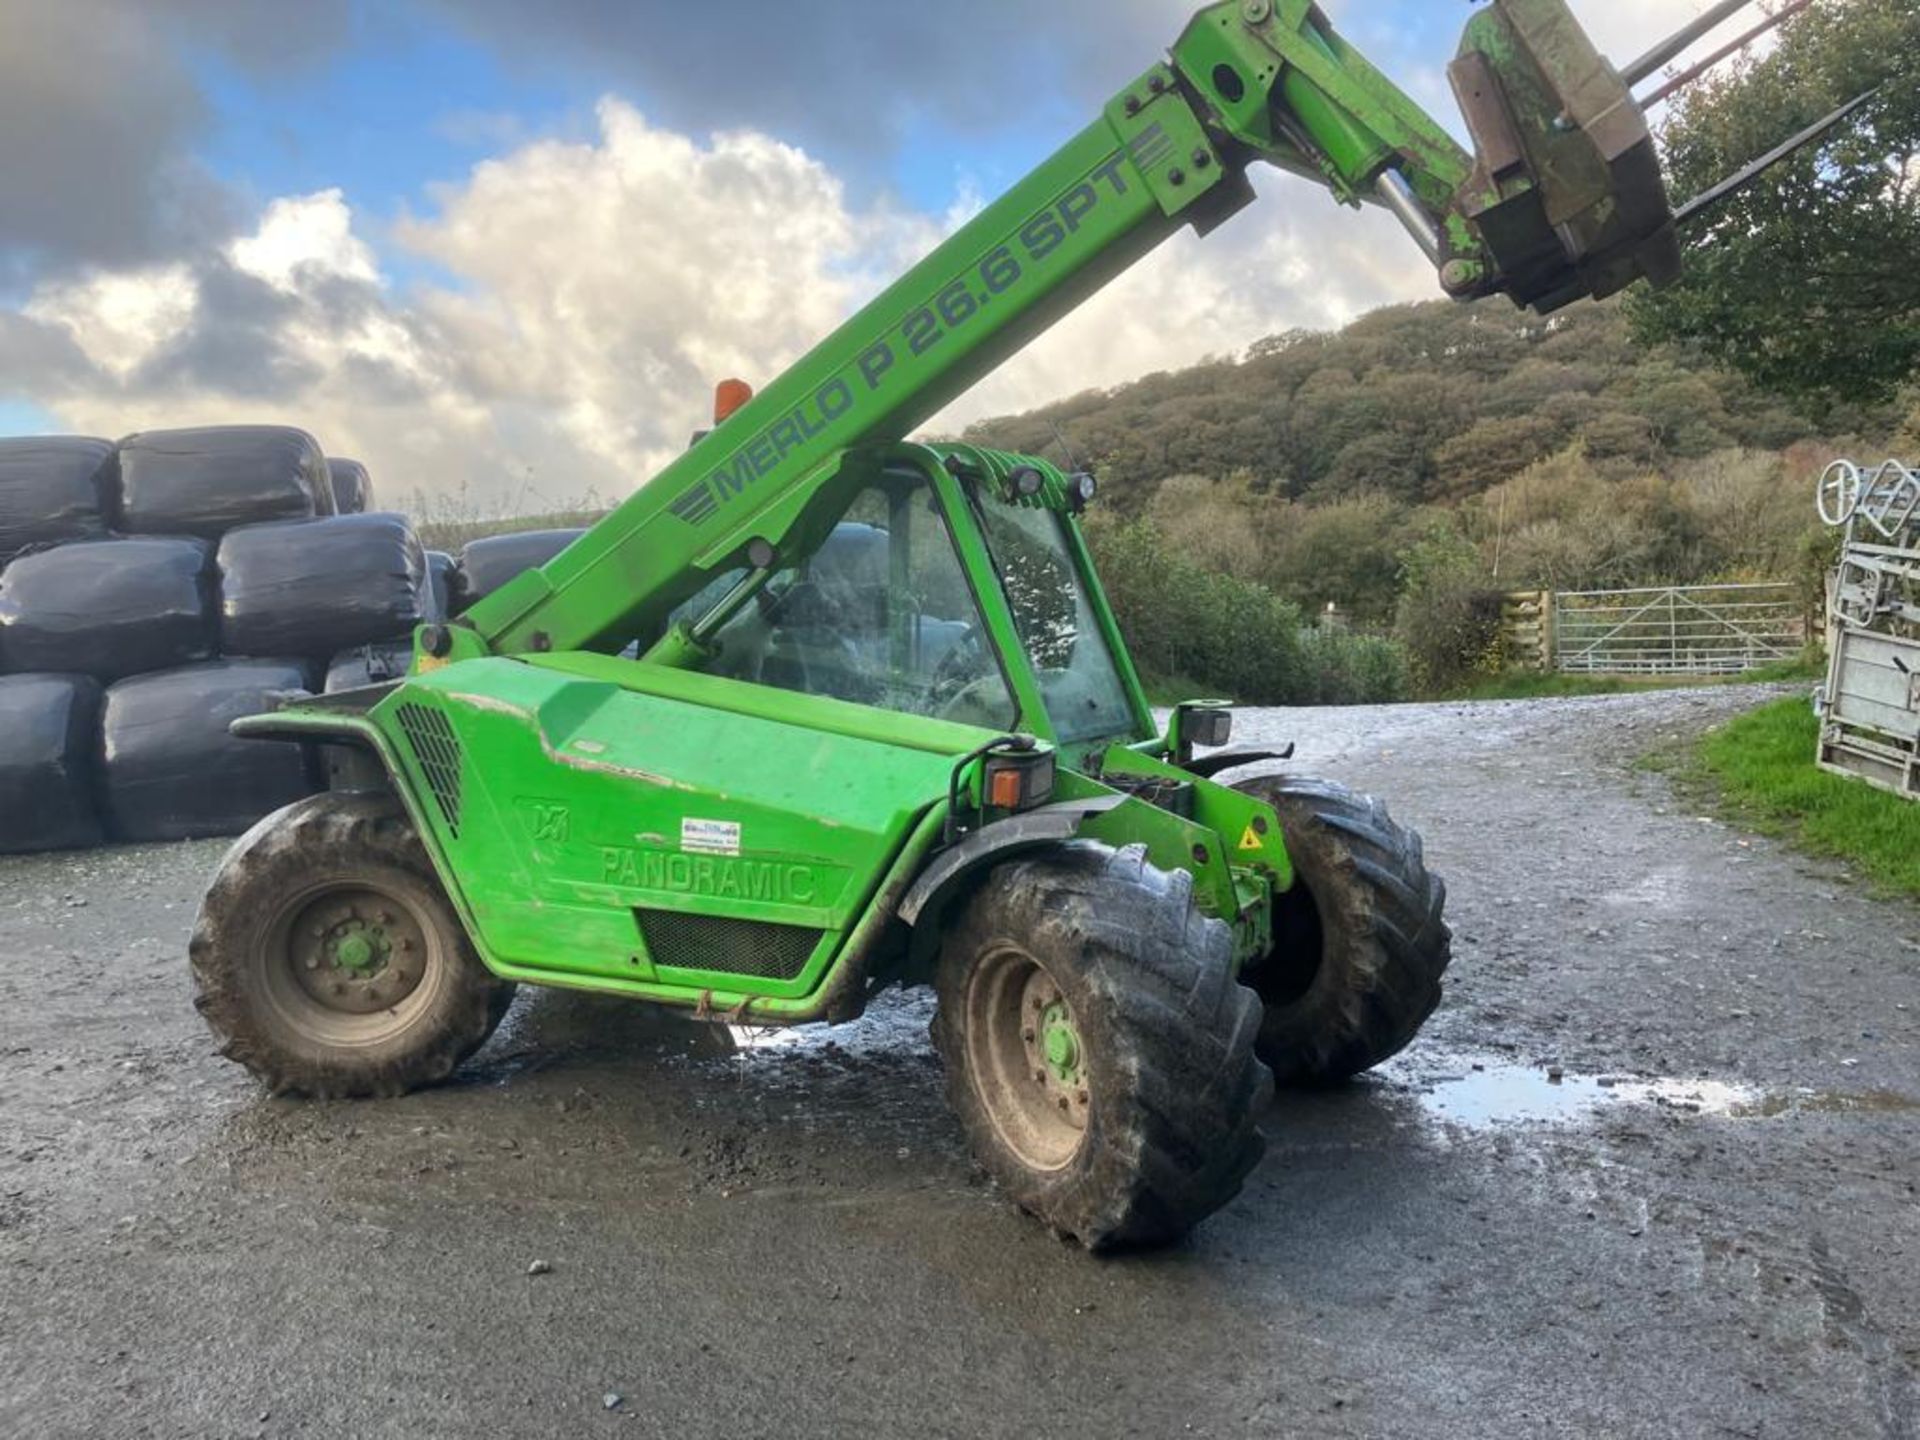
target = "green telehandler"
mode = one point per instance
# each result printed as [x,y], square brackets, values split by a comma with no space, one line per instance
[883,728]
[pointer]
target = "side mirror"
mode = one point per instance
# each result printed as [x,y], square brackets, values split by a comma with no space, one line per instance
[1200,724]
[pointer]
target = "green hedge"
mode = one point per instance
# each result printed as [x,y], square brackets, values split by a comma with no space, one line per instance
[1232,636]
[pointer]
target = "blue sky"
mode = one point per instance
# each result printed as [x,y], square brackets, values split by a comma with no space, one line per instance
[413,98]
[410,102]
[23,417]
[477,240]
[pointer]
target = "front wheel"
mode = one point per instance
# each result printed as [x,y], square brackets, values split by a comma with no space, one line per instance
[1098,1051]
[328,961]
[1359,944]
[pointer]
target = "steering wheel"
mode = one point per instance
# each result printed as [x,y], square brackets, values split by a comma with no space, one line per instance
[958,669]
[982,703]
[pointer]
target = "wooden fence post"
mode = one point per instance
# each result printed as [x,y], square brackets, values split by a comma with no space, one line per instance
[1526,628]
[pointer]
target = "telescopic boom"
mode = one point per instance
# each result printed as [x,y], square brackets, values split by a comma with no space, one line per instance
[1563,200]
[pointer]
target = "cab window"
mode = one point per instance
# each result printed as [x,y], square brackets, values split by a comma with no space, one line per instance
[881,615]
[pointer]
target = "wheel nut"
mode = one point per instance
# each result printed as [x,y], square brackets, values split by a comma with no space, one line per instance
[1063,1102]
[1027,1035]
[1041,1076]
[1082,1097]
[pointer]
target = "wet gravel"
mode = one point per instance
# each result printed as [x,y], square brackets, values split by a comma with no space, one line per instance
[1652,1172]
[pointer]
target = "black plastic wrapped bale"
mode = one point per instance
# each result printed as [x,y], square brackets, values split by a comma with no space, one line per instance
[437,595]
[108,608]
[48,726]
[366,665]
[352,486]
[205,482]
[172,770]
[486,565]
[313,588]
[53,489]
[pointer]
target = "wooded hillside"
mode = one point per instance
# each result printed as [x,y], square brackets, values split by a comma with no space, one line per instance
[1420,403]
[1550,451]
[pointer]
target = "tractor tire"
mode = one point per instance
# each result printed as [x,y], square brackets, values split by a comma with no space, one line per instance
[1099,1053]
[1359,944]
[329,962]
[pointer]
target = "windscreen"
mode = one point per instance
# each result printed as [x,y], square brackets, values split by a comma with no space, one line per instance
[1079,677]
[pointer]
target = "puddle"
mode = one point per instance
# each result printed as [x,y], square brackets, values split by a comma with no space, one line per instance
[746,1037]
[1497,1093]
[1469,1091]
[895,1025]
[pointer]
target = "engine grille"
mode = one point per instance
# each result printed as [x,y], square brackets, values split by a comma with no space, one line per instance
[727,947]
[436,750]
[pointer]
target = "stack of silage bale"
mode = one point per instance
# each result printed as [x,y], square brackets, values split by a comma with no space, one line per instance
[452,587]
[351,485]
[488,565]
[157,590]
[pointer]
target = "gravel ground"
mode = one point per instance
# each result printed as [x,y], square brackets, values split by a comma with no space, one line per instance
[622,1225]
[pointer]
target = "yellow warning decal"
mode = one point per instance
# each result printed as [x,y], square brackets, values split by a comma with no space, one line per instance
[1251,840]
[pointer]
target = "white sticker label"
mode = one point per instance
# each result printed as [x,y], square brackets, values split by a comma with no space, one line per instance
[709,837]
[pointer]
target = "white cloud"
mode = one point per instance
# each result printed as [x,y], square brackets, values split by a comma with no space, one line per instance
[118,320]
[304,235]
[611,283]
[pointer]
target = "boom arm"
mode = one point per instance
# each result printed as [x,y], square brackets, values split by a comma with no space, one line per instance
[1564,200]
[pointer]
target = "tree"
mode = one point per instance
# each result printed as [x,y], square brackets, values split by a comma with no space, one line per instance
[1809,282]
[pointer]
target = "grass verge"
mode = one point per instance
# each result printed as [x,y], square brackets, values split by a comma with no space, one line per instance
[1759,771]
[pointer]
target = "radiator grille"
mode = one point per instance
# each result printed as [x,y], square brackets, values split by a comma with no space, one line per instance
[436,750]
[727,947]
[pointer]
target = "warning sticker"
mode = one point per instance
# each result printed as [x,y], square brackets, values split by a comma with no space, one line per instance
[709,837]
[1251,840]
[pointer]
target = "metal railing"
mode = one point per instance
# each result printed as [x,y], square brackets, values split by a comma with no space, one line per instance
[1677,630]
[1870,705]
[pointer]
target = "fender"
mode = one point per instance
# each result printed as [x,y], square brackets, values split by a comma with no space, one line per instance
[1036,830]
[356,753]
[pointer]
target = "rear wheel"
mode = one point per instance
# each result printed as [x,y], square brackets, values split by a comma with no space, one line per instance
[1099,1053]
[328,961]
[1359,944]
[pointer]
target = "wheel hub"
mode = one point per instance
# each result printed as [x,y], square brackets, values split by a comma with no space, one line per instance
[357,952]
[360,950]
[1060,1043]
[1055,1052]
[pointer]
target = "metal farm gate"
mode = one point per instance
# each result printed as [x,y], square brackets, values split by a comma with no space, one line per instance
[1677,630]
